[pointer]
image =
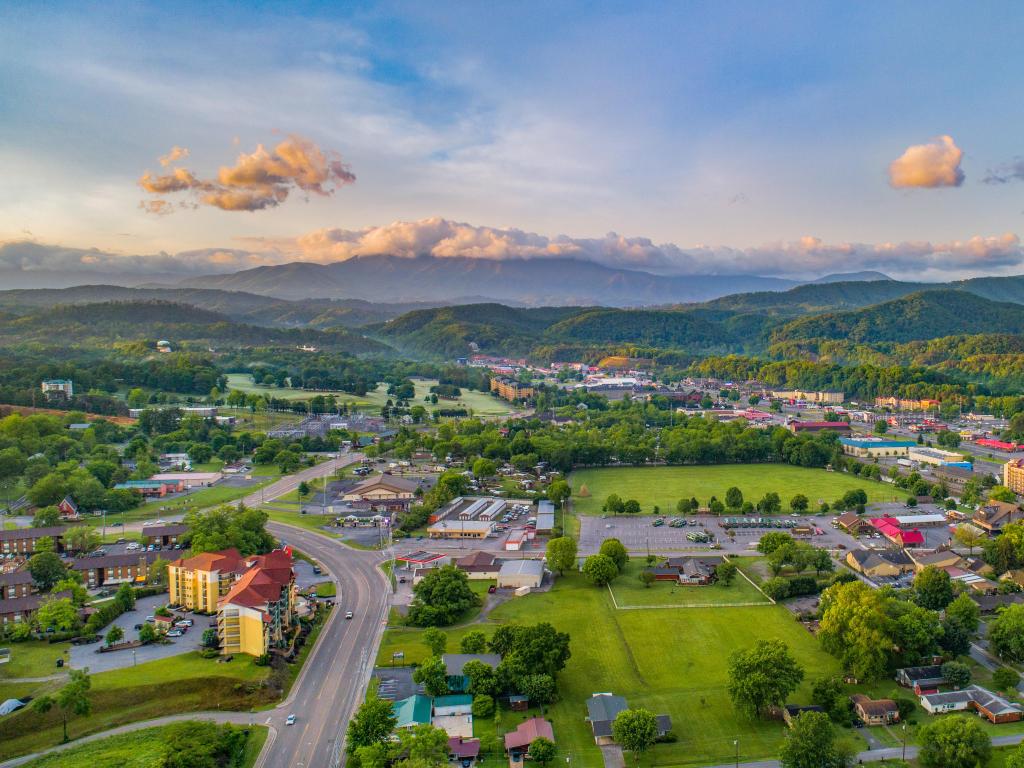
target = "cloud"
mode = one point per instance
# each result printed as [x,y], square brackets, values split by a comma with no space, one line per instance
[1006,172]
[936,164]
[263,179]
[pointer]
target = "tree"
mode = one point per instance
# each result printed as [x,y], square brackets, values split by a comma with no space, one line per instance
[373,723]
[483,468]
[969,536]
[46,570]
[473,642]
[46,517]
[772,541]
[953,742]
[81,538]
[810,743]
[1006,634]
[635,730]
[647,578]
[58,614]
[770,504]
[125,596]
[49,490]
[562,553]
[933,588]
[147,634]
[229,526]
[432,675]
[776,588]
[72,699]
[483,679]
[631,507]
[964,612]
[542,751]
[114,635]
[45,544]
[956,673]
[1002,493]
[483,705]
[157,571]
[829,694]
[880,428]
[427,747]
[799,503]
[303,489]
[734,498]
[613,504]
[209,638]
[600,569]
[1016,758]
[558,492]
[762,676]
[1006,680]
[436,641]
[79,594]
[540,689]
[725,573]
[615,549]
[441,598]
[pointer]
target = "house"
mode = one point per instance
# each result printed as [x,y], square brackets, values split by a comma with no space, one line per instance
[22,541]
[920,678]
[383,492]
[68,509]
[163,624]
[58,389]
[791,711]
[517,742]
[891,529]
[993,707]
[479,565]
[995,515]
[521,573]
[258,611]
[455,663]
[875,711]
[455,704]
[15,584]
[692,571]
[602,709]
[853,523]
[164,535]
[198,583]
[941,558]
[462,751]
[883,563]
[413,711]
[989,604]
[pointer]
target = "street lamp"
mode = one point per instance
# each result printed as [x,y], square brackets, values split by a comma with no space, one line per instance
[904,729]
[736,746]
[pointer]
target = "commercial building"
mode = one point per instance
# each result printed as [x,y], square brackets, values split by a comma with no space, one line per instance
[62,389]
[258,612]
[822,398]
[955,477]
[906,404]
[545,517]
[511,389]
[521,573]
[383,492]
[188,479]
[1013,475]
[813,427]
[894,532]
[936,457]
[198,583]
[479,565]
[155,488]
[461,529]
[873,447]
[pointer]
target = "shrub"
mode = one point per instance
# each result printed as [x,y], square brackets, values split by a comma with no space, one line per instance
[483,706]
[802,585]
[776,588]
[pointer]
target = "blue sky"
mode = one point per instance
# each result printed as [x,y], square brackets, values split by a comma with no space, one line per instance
[735,126]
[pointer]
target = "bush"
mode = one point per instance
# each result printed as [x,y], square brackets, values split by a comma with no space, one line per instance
[776,588]
[906,707]
[483,705]
[1005,679]
[803,585]
[668,737]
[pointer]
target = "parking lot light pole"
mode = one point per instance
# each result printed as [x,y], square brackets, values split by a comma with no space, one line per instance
[736,745]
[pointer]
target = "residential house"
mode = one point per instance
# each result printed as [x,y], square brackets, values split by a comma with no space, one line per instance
[685,570]
[921,678]
[517,742]
[198,583]
[413,711]
[455,663]
[875,711]
[479,565]
[879,563]
[258,612]
[383,492]
[602,709]
[521,573]
[993,707]
[941,558]
[22,541]
[165,534]
[68,509]
[791,711]
[989,604]
[463,751]
[995,515]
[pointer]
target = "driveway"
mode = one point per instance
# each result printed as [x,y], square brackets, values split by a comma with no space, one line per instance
[86,655]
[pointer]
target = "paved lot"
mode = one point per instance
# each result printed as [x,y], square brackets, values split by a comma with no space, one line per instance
[86,656]
[396,683]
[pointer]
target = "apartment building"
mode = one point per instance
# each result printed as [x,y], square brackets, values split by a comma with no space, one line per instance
[198,583]
[1013,475]
[510,389]
[258,611]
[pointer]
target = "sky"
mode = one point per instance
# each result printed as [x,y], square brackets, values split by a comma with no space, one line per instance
[786,139]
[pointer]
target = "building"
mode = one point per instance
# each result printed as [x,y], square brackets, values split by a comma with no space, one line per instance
[955,477]
[68,509]
[258,612]
[989,604]
[517,540]
[413,711]
[176,461]
[942,558]
[511,389]
[517,742]
[15,584]
[885,563]
[998,445]
[521,573]
[792,711]
[688,571]
[131,568]
[993,707]
[164,534]
[875,711]
[936,457]
[463,751]
[383,492]
[1013,475]
[813,427]
[22,541]
[479,565]
[461,529]
[822,398]
[894,532]
[455,704]
[545,516]
[188,479]
[873,447]
[602,709]
[153,488]
[993,516]
[853,523]
[921,678]
[58,389]
[455,663]
[19,609]
[903,404]
[198,583]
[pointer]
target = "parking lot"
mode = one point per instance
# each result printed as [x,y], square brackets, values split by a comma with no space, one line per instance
[86,655]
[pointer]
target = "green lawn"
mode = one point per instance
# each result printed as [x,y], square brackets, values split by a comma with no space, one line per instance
[669,661]
[139,749]
[185,683]
[33,658]
[481,403]
[665,486]
[296,518]
[325,589]
[629,590]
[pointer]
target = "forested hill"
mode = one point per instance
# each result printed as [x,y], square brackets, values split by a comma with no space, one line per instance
[923,315]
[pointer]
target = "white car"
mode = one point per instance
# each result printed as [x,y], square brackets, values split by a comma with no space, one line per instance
[175,633]
[290,720]
[348,614]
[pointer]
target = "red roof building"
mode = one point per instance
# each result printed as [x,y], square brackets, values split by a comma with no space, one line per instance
[999,445]
[526,732]
[890,528]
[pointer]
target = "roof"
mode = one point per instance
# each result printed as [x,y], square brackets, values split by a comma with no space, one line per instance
[255,589]
[992,602]
[820,425]
[18,605]
[386,481]
[935,558]
[113,561]
[848,519]
[414,710]
[171,529]
[454,700]
[930,672]
[455,662]
[15,577]
[522,568]
[420,557]
[527,731]
[889,526]
[227,560]
[877,707]
[477,561]
[462,748]
[174,476]
[603,707]
[867,442]
[984,698]
[868,558]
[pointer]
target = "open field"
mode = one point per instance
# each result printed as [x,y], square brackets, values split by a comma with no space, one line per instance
[665,486]
[481,403]
[630,591]
[139,749]
[670,661]
[33,658]
[185,683]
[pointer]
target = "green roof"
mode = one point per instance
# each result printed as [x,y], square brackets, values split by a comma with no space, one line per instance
[454,700]
[413,711]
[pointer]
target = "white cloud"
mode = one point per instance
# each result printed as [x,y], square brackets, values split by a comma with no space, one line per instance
[936,164]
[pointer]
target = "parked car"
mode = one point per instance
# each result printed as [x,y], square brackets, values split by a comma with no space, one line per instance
[138,627]
[151,619]
[175,633]
[492,589]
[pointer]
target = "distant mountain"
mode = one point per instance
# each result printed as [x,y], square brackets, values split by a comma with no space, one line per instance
[852,277]
[535,282]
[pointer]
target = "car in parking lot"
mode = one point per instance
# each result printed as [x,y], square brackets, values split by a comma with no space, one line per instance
[175,633]
[492,589]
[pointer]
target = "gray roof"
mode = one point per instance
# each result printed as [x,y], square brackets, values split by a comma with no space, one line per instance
[997,705]
[32,533]
[870,558]
[455,662]
[522,568]
[931,672]
[602,708]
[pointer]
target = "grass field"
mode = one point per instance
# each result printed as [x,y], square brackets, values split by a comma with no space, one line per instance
[33,658]
[481,403]
[185,683]
[665,486]
[630,591]
[669,661]
[139,749]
